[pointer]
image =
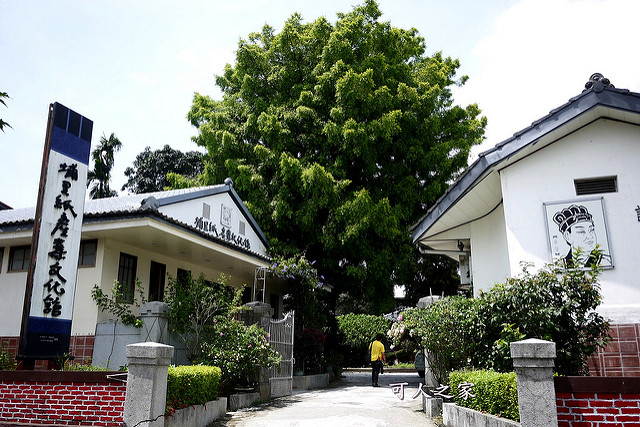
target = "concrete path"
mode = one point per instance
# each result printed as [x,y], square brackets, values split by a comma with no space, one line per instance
[350,401]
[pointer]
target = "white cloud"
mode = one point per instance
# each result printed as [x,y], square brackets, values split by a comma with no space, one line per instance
[540,53]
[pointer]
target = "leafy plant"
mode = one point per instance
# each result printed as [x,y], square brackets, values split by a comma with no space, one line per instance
[492,392]
[70,366]
[555,304]
[196,304]
[7,360]
[442,329]
[356,332]
[238,350]
[308,349]
[116,302]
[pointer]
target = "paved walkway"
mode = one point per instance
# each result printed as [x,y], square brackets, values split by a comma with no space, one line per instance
[350,402]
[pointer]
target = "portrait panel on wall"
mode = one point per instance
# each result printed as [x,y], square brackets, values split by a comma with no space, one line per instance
[578,223]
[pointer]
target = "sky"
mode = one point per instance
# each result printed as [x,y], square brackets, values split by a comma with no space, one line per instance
[133,66]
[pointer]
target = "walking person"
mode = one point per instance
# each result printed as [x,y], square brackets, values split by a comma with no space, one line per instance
[377,358]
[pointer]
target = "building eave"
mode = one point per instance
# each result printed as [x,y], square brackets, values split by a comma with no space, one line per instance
[580,111]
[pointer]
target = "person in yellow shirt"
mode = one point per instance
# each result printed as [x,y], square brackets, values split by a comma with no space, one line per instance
[377,358]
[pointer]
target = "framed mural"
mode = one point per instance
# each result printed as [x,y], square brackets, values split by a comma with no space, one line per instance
[578,223]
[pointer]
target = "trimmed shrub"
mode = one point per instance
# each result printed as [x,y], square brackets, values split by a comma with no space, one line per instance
[356,332]
[491,392]
[191,385]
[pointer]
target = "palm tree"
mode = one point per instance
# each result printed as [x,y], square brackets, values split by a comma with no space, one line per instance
[98,179]
[3,124]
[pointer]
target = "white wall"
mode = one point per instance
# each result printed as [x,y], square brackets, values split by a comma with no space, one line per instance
[188,211]
[12,286]
[489,256]
[112,250]
[604,148]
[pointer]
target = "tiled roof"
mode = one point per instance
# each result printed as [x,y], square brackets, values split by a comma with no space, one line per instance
[597,93]
[119,204]
[139,205]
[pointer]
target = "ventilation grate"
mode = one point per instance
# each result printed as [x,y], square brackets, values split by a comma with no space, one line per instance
[596,185]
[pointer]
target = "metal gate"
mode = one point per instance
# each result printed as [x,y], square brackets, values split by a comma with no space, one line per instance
[281,339]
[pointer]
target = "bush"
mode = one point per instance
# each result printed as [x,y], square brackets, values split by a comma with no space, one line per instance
[495,393]
[555,304]
[308,350]
[356,332]
[191,385]
[443,329]
[194,304]
[7,360]
[238,350]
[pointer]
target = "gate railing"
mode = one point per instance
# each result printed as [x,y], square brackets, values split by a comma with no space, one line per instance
[281,339]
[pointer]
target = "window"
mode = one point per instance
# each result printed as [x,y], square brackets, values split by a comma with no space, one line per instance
[608,184]
[127,275]
[1,257]
[183,276]
[87,255]
[19,258]
[156,281]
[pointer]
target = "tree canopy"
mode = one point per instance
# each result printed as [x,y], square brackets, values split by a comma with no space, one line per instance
[150,169]
[338,136]
[98,179]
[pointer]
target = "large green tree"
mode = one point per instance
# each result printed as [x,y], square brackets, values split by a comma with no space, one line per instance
[150,169]
[338,136]
[99,178]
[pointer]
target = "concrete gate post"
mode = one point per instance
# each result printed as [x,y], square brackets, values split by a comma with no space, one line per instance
[155,319]
[146,398]
[260,313]
[533,360]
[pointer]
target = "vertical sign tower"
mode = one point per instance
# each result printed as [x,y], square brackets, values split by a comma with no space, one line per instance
[51,282]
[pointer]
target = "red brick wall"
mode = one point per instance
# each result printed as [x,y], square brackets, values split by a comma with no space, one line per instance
[598,402]
[61,398]
[621,357]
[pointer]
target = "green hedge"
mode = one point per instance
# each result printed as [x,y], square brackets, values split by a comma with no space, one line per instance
[495,393]
[191,385]
[356,332]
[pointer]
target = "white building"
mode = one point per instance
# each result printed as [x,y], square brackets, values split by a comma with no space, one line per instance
[205,230]
[520,200]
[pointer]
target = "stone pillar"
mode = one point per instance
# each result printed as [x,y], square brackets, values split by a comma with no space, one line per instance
[146,398]
[155,316]
[260,314]
[533,360]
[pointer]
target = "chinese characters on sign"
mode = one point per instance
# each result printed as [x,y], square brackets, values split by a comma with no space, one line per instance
[225,233]
[51,282]
[464,391]
[54,287]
